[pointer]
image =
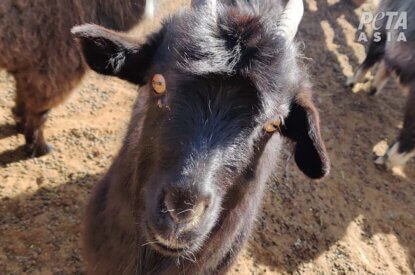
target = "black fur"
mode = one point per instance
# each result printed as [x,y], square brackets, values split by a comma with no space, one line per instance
[399,58]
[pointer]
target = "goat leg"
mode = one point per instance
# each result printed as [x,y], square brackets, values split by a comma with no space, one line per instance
[36,145]
[380,79]
[19,116]
[404,148]
[375,54]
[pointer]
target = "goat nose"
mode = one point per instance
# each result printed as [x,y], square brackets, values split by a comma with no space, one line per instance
[183,210]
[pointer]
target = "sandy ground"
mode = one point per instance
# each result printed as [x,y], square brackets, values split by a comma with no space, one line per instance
[358,221]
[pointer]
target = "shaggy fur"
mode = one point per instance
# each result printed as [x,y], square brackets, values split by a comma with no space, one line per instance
[201,143]
[38,50]
[396,57]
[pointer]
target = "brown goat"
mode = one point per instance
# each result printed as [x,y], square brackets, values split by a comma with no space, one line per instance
[222,86]
[37,48]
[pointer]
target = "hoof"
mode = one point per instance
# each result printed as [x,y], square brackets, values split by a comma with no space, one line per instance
[373,91]
[350,82]
[380,163]
[38,150]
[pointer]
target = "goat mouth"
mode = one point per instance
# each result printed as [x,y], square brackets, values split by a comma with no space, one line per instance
[162,247]
[167,250]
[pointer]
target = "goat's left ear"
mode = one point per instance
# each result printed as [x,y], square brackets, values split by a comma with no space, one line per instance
[112,53]
[303,127]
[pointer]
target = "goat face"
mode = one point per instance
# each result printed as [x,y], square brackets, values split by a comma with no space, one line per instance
[215,89]
[202,138]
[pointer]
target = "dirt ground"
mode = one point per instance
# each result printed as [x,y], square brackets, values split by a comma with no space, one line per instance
[360,220]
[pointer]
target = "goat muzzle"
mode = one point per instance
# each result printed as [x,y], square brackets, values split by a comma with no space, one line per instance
[183,211]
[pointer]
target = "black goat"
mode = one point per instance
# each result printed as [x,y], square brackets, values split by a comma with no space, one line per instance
[394,50]
[221,88]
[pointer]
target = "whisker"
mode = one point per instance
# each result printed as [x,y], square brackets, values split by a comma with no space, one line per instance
[151,243]
[188,203]
[167,210]
[189,259]
[193,260]
[184,211]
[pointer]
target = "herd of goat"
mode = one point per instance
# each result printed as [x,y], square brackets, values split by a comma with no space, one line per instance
[214,107]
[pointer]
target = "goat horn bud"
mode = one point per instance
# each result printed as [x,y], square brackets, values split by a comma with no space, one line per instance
[290,19]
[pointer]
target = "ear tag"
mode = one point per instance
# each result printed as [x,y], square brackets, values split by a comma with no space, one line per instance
[272,126]
[159,84]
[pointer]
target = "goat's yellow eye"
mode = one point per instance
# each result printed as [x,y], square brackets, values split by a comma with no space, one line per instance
[159,84]
[272,126]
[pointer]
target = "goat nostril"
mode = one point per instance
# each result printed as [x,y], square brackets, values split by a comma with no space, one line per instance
[168,204]
[182,211]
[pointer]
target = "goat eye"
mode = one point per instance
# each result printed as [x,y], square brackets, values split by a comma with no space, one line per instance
[272,126]
[159,84]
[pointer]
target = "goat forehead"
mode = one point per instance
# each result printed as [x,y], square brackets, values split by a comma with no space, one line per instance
[237,41]
[209,117]
[216,99]
[211,97]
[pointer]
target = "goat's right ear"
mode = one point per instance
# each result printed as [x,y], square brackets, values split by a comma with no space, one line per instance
[112,53]
[303,127]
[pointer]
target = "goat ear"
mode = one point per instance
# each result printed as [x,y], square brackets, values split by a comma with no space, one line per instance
[111,53]
[303,127]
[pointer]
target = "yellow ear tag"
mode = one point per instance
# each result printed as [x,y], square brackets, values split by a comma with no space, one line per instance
[159,84]
[272,126]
